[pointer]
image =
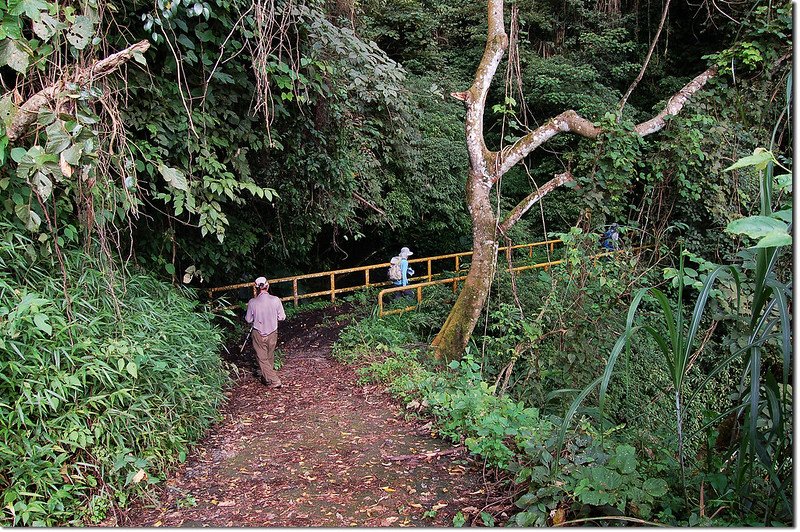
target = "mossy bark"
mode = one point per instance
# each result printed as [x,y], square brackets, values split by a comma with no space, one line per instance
[455,334]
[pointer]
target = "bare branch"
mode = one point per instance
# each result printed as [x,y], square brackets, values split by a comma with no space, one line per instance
[676,103]
[368,204]
[572,122]
[568,121]
[533,198]
[624,99]
[28,110]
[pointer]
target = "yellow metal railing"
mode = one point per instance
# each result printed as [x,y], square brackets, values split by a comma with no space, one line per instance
[419,280]
[419,286]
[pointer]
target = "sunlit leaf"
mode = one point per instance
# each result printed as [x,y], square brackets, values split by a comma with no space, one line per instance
[81,32]
[174,177]
[759,159]
[776,239]
[42,323]
[15,55]
[756,226]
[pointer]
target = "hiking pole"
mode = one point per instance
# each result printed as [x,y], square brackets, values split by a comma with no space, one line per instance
[246,338]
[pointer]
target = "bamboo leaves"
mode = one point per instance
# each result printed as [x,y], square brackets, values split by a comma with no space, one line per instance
[134,388]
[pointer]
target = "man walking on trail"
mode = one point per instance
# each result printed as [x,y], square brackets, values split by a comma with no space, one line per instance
[265,311]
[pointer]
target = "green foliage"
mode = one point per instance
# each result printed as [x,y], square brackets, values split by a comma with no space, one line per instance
[399,364]
[552,341]
[465,406]
[760,400]
[364,151]
[592,477]
[291,310]
[371,332]
[614,167]
[763,33]
[101,392]
[766,405]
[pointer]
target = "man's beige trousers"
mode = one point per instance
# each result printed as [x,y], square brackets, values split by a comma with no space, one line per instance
[265,352]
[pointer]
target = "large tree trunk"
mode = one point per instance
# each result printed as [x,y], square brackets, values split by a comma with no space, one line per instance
[466,311]
[456,332]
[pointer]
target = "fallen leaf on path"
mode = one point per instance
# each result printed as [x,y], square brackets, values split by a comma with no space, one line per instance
[227,503]
[387,489]
[139,476]
[439,506]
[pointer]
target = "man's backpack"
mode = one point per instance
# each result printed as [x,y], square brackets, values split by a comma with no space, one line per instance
[394,270]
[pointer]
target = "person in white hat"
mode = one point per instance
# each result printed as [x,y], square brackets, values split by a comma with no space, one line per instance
[265,311]
[405,271]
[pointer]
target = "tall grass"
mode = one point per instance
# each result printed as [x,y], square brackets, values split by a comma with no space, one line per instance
[97,402]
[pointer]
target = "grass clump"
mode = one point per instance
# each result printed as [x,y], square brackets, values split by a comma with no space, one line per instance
[99,394]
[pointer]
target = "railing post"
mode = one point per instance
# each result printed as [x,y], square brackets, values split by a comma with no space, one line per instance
[455,283]
[419,295]
[366,278]
[294,291]
[429,269]
[333,288]
[380,304]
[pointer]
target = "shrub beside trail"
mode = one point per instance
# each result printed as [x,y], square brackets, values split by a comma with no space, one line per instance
[98,395]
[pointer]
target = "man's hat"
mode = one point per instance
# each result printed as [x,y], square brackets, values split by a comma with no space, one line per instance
[261,281]
[405,252]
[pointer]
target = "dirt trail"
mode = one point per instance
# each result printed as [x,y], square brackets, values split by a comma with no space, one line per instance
[321,451]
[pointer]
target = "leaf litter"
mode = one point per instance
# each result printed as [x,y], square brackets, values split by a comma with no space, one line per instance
[320,451]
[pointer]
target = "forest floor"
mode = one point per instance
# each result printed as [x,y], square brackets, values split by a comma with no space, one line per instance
[322,450]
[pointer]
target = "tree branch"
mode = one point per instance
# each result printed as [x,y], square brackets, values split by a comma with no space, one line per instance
[572,122]
[533,198]
[676,103]
[568,121]
[646,62]
[368,204]
[26,114]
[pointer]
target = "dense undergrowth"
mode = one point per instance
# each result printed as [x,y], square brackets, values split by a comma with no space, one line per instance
[100,394]
[508,398]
